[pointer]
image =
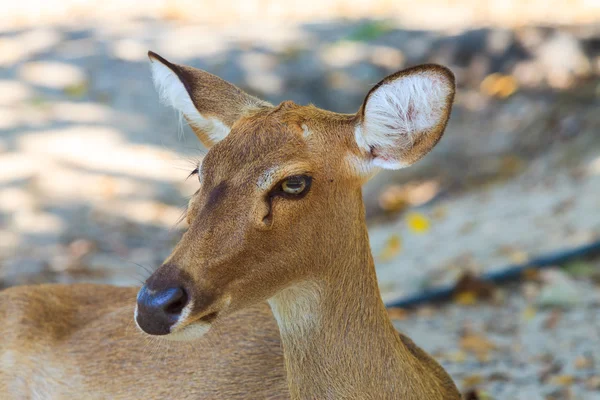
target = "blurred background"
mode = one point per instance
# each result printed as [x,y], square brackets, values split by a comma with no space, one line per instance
[93,168]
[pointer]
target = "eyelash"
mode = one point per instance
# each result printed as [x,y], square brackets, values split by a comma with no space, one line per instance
[194,172]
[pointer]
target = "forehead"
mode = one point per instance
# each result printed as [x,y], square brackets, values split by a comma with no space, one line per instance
[256,143]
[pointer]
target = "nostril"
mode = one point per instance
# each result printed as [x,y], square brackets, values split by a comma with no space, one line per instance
[176,302]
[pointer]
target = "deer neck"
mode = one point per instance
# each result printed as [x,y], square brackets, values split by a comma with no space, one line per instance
[337,337]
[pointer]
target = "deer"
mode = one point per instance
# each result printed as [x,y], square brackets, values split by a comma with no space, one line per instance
[271,291]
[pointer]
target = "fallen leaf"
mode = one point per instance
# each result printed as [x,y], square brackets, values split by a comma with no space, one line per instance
[466,298]
[426,311]
[550,370]
[510,166]
[553,319]
[531,274]
[393,199]
[529,313]
[77,90]
[397,313]
[476,344]
[593,383]
[392,248]
[469,288]
[499,85]
[457,356]
[477,395]
[515,255]
[472,380]
[583,362]
[562,380]
[518,257]
[417,223]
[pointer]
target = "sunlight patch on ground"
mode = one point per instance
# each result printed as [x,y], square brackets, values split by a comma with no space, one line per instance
[101,149]
[26,221]
[143,212]
[594,166]
[12,92]
[16,166]
[13,199]
[80,112]
[52,74]
[130,50]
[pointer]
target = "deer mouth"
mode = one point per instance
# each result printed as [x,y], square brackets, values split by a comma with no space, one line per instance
[192,329]
[209,318]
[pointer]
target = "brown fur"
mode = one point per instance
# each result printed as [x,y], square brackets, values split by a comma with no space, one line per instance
[80,342]
[309,257]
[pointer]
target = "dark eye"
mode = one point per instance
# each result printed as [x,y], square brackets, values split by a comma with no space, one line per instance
[294,186]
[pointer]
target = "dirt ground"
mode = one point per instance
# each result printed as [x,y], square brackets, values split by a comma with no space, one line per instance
[93,168]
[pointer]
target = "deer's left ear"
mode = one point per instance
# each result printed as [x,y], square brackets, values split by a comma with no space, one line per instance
[210,104]
[404,116]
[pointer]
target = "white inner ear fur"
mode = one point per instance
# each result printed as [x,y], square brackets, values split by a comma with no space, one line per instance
[398,112]
[172,92]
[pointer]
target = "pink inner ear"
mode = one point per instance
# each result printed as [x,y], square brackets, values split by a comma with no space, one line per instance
[411,112]
[381,154]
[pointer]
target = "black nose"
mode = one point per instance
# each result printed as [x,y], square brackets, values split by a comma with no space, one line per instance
[158,310]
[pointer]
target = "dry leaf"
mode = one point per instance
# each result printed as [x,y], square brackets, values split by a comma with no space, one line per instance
[426,311]
[583,362]
[393,199]
[531,274]
[397,313]
[498,85]
[476,344]
[457,356]
[510,166]
[417,223]
[593,383]
[562,380]
[553,319]
[392,248]
[466,298]
[469,288]
[529,313]
[398,197]
[516,256]
[472,380]
[476,395]
[77,90]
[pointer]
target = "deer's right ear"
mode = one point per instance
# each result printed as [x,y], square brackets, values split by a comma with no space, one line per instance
[404,116]
[209,104]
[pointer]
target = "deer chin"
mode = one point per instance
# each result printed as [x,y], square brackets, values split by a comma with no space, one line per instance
[191,328]
[192,331]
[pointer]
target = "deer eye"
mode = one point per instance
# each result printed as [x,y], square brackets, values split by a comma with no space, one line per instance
[294,186]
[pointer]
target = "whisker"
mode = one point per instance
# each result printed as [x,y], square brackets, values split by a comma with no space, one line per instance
[180,219]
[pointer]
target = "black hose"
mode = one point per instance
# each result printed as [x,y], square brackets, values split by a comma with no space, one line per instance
[509,273]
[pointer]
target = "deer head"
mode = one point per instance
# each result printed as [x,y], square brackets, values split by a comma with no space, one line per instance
[279,201]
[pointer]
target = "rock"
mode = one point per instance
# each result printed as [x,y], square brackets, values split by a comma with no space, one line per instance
[563,59]
[559,290]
